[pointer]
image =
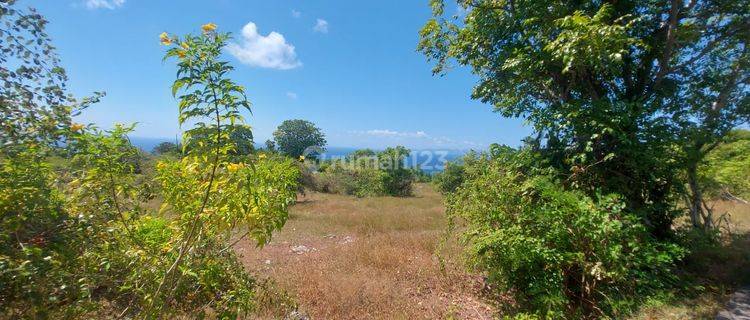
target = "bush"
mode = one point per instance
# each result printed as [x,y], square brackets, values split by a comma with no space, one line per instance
[365,173]
[37,249]
[450,178]
[727,168]
[81,243]
[170,148]
[560,252]
[420,175]
[398,179]
[360,182]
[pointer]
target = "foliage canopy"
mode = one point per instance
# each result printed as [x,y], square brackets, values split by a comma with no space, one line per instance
[292,137]
[624,96]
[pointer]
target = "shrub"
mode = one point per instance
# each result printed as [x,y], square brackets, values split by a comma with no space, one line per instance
[37,249]
[727,168]
[361,182]
[365,173]
[167,148]
[80,242]
[420,175]
[450,178]
[560,252]
[398,179]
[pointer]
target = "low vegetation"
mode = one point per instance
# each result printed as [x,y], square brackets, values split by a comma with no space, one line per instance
[342,257]
[365,173]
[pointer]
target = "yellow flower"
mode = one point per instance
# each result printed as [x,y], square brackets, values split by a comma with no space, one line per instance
[184,45]
[208,27]
[262,156]
[181,54]
[301,158]
[76,127]
[232,167]
[164,38]
[160,165]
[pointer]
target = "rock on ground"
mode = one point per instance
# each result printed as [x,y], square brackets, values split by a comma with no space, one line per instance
[738,307]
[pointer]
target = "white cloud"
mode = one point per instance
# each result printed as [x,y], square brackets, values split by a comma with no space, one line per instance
[321,26]
[389,133]
[291,95]
[104,4]
[271,51]
[413,138]
[296,13]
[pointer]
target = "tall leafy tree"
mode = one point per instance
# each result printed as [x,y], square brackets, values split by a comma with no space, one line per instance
[624,96]
[294,136]
[33,99]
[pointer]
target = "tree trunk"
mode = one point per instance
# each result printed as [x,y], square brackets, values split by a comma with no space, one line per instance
[696,197]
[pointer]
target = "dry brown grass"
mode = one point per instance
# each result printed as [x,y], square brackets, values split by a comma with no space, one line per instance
[375,258]
[738,214]
[370,258]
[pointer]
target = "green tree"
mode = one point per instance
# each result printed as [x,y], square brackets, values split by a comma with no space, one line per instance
[624,96]
[294,136]
[239,140]
[33,98]
[167,148]
[242,137]
[365,158]
[398,179]
[270,145]
[361,153]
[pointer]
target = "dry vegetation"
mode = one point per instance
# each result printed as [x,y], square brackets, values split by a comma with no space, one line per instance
[369,258]
[727,268]
[341,257]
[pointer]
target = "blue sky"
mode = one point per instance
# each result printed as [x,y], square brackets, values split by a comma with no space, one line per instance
[349,66]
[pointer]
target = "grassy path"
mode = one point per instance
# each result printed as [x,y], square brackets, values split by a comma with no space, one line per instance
[374,258]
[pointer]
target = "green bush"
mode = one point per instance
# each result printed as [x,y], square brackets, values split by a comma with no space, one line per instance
[450,178]
[398,179]
[560,252]
[37,249]
[361,182]
[726,171]
[421,176]
[365,173]
[167,148]
[79,240]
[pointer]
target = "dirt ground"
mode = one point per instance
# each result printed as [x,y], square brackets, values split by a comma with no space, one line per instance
[342,257]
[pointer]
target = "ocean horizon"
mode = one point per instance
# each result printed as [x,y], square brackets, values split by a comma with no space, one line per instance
[429,160]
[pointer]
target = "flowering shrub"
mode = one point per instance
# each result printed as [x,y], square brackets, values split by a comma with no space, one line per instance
[81,242]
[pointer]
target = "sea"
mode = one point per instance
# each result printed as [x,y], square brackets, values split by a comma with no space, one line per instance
[428,160]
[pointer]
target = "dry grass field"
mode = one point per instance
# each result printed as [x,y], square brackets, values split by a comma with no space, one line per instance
[342,257]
